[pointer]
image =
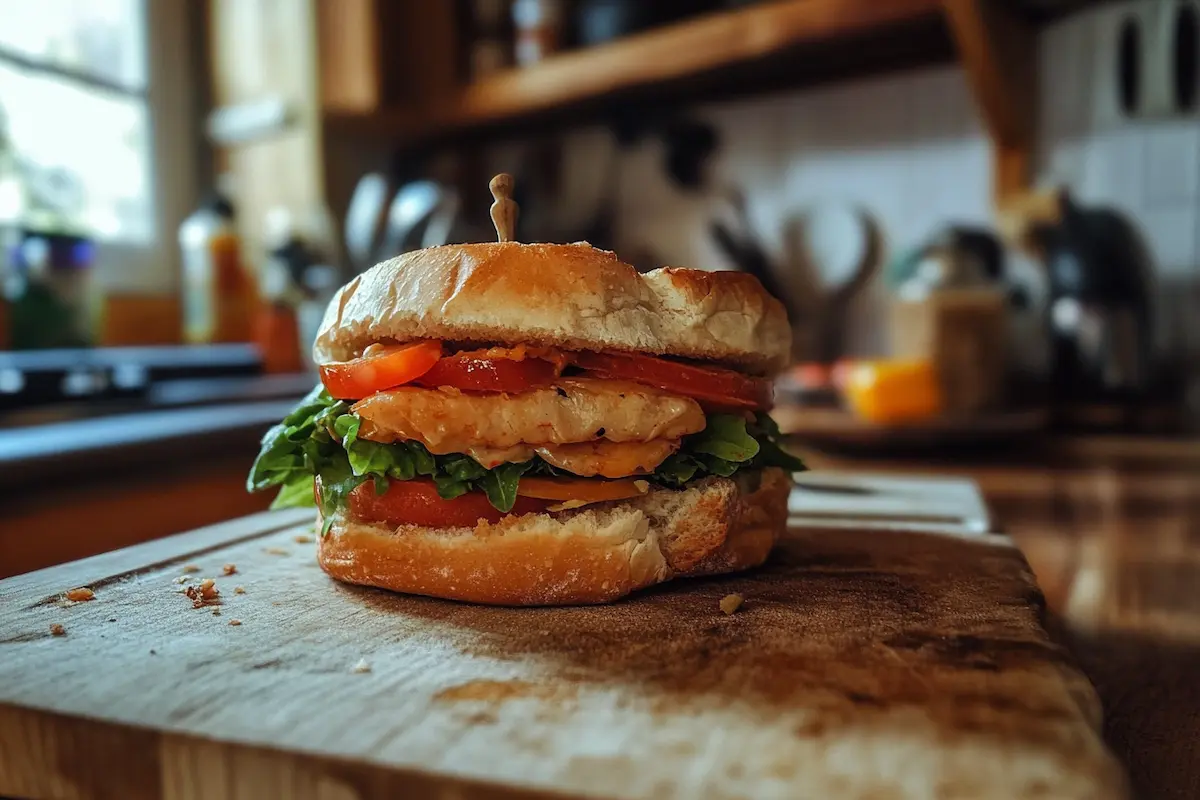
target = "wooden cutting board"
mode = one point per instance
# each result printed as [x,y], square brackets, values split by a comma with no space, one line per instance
[864,664]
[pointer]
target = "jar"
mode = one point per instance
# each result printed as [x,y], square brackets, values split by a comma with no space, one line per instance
[53,299]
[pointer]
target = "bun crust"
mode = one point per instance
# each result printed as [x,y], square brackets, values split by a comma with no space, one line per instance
[594,555]
[572,296]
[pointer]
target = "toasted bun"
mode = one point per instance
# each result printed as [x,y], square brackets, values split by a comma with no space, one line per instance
[565,295]
[594,555]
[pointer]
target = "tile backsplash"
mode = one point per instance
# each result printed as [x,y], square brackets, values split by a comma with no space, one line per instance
[910,148]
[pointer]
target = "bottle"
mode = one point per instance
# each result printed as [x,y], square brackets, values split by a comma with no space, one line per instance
[218,295]
[538,25]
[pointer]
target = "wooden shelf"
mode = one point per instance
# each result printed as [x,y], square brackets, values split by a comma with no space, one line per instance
[798,34]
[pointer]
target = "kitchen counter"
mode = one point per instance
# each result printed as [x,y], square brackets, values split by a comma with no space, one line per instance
[1111,528]
[82,480]
[1110,525]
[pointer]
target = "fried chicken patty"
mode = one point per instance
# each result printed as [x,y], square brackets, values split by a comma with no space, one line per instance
[573,410]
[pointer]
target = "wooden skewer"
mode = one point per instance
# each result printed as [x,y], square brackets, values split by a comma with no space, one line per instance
[504,210]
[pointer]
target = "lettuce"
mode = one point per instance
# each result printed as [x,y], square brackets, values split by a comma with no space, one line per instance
[727,444]
[319,438]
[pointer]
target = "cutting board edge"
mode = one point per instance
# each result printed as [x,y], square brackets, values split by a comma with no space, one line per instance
[191,765]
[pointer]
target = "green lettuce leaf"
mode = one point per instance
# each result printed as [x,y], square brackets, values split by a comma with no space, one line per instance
[500,484]
[296,493]
[319,439]
[725,437]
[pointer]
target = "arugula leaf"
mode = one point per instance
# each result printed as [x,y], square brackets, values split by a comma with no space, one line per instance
[500,485]
[296,493]
[766,431]
[725,437]
[372,458]
[285,446]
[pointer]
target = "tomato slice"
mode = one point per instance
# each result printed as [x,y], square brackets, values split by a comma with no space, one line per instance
[714,388]
[492,370]
[583,490]
[417,502]
[381,367]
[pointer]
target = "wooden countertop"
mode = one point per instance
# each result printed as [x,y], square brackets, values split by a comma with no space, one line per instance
[1111,528]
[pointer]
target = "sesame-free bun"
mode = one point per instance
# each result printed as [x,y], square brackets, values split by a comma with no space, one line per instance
[593,555]
[573,296]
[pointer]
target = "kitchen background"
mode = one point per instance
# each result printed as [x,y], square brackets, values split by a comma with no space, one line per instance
[981,215]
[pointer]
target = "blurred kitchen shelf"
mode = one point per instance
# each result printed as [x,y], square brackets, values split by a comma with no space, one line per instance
[810,39]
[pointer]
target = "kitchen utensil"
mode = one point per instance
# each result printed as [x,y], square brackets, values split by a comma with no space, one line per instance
[411,210]
[365,218]
[1100,284]
[738,241]
[444,222]
[835,250]
[955,257]
[853,640]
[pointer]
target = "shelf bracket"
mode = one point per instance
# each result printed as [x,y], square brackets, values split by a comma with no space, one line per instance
[998,51]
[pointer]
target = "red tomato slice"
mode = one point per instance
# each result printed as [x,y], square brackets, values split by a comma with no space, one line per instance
[481,371]
[417,502]
[383,368]
[714,388]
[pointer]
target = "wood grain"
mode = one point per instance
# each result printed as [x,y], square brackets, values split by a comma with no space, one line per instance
[1111,527]
[863,664]
[703,45]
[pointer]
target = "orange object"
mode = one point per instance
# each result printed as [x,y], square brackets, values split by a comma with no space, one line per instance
[585,491]
[893,392]
[812,375]
[384,368]
[278,339]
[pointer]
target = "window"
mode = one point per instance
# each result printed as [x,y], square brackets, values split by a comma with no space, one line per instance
[97,97]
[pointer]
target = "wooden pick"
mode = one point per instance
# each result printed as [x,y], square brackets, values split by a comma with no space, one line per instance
[504,210]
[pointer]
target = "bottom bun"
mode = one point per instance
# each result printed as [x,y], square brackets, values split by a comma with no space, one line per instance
[594,555]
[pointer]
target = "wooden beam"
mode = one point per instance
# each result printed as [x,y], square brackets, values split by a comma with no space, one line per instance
[998,51]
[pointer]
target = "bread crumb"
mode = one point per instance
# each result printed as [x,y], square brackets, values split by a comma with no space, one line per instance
[229,569]
[731,603]
[238,590]
[362,666]
[182,579]
[275,551]
[81,595]
[58,630]
[642,486]
[302,539]
[207,592]
[190,568]
[235,622]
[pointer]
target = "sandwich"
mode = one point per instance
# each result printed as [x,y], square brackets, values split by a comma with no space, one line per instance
[538,424]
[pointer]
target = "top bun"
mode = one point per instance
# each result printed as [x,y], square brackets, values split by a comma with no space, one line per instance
[573,296]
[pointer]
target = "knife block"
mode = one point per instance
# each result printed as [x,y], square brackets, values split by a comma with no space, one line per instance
[964,333]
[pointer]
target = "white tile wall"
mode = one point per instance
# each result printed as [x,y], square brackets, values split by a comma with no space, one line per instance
[910,148]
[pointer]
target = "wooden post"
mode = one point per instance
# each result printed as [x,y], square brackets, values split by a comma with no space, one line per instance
[998,51]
